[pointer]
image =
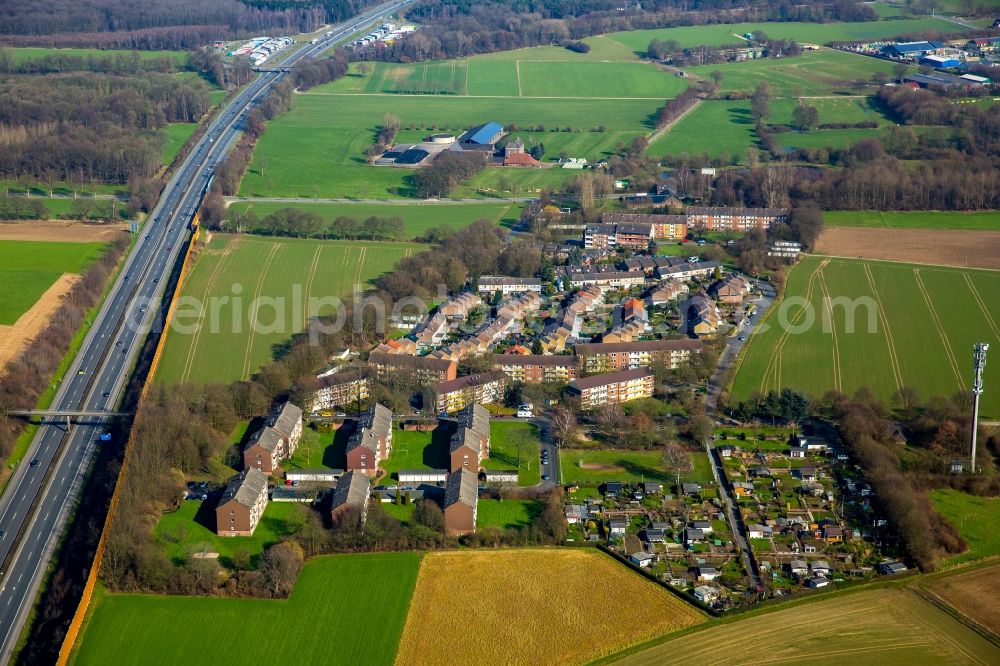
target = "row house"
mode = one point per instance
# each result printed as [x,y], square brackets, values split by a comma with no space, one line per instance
[484,388]
[613,388]
[626,332]
[688,270]
[608,279]
[400,346]
[351,496]
[703,314]
[420,369]
[633,236]
[668,292]
[517,307]
[608,357]
[460,305]
[731,289]
[275,441]
[242,504]
[633,308]
[734,219]
[537,369]
[341,388]
[432,331]
[491,284]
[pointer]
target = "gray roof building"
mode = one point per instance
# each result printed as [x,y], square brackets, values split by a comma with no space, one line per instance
[352,491]
[245,488]
[463,486]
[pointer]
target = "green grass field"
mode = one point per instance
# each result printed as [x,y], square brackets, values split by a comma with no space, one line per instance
[626,466]
[175,135]
[29,268]
[317,149]
[977,519]
[336,600]
[507,513]
[823,72]
[815,33]
[226,347]
[503,452]
[914,326]
[714,128]
[831,110]
[429,450]
[928,219]
[191,529]
[418,217]
[22,54]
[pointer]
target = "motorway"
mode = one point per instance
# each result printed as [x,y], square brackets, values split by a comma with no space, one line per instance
[41,493]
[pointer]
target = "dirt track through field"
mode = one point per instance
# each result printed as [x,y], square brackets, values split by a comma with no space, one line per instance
[894,362]
[938,325]
[774,366]
[60,231]
[14,338]
[252,319]
[309,282]
[828,315]
[189,361]
[948,247]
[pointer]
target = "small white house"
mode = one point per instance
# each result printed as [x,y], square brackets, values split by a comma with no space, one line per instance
[641,559]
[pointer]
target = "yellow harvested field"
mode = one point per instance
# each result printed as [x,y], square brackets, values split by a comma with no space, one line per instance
[536,606]
[881,627]
[975,594]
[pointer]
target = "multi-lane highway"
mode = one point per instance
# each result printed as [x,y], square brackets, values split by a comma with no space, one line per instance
[41,492]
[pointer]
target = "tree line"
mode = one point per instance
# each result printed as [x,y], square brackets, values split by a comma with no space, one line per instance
[88,126]
[300,223]
[182,24]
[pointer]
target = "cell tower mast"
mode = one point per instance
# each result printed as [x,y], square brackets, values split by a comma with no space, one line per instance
[978,365]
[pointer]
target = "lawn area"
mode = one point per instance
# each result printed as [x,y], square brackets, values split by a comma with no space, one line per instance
[191,528]
[418,217]
[320,623]
[714,128]
[317,149]
[924,219]
[596,79]
[503,449]
[29,268]
[823,72]
[912,325]
[175,135]
[596,466]
[538,606]
[418,450]
[25,53]
[507,513]
[814,33]
[977,519]
[889,626]
[222,346]
[832,138]
[836,110]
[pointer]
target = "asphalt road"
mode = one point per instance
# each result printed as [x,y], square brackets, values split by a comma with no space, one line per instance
[40,495]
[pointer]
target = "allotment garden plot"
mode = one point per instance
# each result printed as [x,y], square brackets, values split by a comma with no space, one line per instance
[914,325]
[225,347]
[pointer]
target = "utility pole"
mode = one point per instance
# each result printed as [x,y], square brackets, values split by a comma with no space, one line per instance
[978,365]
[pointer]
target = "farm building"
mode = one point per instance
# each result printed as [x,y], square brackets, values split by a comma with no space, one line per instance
[940,61]
[482,137]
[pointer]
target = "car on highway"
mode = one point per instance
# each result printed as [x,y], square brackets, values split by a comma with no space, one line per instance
[81,371]
[34,462]
[107,394]
[545,477]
